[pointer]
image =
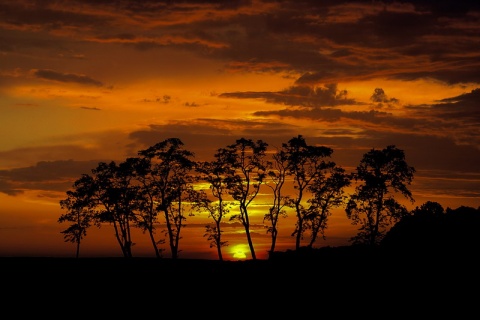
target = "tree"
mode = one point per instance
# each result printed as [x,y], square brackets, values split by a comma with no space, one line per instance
[246,159]
[116,193]
[305,163]
[328,193]
[80,210]
[422,230]
[430,230]
[277,174]
[170,184]
[461,230]
[380,175]
[148,210]
[109,195]
[215,173]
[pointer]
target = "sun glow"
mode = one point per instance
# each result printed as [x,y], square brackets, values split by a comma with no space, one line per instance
[238,251]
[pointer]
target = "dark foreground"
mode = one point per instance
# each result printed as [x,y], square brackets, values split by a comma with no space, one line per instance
[338,282]
[331,278]
[326,264]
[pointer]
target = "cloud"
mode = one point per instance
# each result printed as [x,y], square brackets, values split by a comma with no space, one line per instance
[327,95]
[463,106]
[99,146]
[66,77]
[324,42]
[441,119]
[45,175]
[49,15]
[380,98]
[8,188]
[456,117]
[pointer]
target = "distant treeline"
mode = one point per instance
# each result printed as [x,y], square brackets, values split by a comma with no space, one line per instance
[165,184]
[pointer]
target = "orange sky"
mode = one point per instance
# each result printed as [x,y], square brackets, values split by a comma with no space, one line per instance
[88,81]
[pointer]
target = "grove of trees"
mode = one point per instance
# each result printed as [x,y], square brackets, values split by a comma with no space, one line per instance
[161,187]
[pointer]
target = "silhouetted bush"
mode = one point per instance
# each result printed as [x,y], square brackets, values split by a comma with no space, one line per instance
[431,230]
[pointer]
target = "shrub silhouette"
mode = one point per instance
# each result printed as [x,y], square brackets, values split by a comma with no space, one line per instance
[431,229]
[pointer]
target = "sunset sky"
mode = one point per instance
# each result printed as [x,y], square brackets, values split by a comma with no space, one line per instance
[88,81]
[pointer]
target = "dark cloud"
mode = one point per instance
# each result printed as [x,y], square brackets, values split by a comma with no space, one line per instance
[308,103]
[462,106]
[379,97]
[455,117]
[66,77]
[447,8]
[364,42]
[48,15]
[326,41]
[311,113]
[45,175]
[9,188]
[433,153]
[328,95]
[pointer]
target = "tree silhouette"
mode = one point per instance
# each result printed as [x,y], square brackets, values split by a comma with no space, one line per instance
[215,173]
[305,164]
[420,230]
[430,229]
[277,174]
[109,195]
[148,209]
[80,211]
[461,231]
[328,192]
[380,175]
[246,158]
[171,184]
[117,195]
[138,191]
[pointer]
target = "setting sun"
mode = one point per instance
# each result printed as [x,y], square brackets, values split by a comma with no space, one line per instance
[238,251]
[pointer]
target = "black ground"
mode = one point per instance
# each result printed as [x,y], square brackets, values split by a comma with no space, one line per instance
[342,281]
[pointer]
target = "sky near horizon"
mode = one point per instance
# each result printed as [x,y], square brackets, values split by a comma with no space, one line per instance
[89,81]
